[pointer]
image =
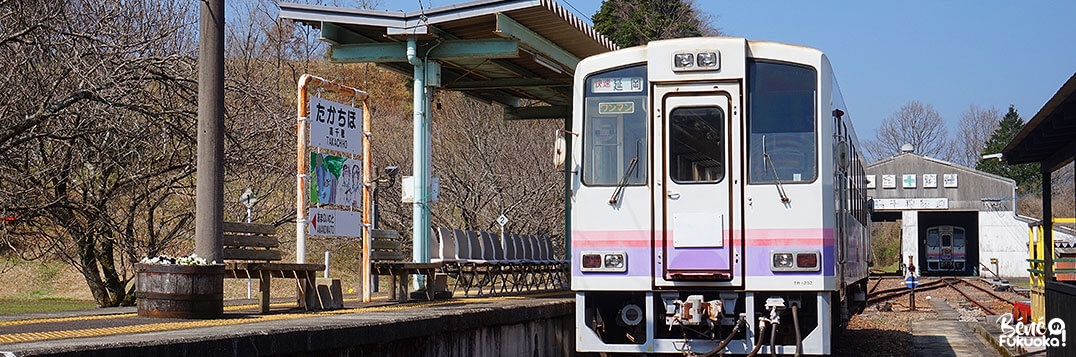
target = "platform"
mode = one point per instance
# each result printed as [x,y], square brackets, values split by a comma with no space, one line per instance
[285,330]
[947,335]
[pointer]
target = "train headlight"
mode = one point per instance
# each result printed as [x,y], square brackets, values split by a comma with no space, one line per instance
[592,261]
[782,260]
[707,59]
[807,260]
[697,60]
[684,60]
[604,261]
[794,261]
[614,261]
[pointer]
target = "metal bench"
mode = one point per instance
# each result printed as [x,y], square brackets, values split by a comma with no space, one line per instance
[387,258]
[251,250]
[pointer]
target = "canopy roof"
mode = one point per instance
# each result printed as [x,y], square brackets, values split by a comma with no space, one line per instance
[496,50]
[1048,137]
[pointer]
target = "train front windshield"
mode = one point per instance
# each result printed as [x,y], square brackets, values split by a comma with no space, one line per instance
[615,128]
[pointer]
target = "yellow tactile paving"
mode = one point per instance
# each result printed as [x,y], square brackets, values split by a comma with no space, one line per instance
[165,326]
[126,315]
[63,319]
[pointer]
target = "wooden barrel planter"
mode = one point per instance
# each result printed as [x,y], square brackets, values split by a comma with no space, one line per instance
[180,291]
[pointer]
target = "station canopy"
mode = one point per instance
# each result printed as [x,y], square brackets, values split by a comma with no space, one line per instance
[513,52]
[1048,137]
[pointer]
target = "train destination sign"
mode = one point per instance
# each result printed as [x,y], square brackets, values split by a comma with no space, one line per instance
[617,85]
[335,126]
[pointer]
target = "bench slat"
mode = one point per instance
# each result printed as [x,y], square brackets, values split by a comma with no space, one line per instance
[384,233]
[386,255]
[251,254]
[386,244]
[256,228]
[236,267]
[238,240]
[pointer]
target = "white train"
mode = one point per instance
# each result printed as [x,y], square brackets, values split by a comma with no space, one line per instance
[946,249]
[717,196]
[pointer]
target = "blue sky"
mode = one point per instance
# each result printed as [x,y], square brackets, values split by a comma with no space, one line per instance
[950,54]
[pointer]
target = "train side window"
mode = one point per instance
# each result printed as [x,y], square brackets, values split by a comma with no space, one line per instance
[781,120]
[696,144]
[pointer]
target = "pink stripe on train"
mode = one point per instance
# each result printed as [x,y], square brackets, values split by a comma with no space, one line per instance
[754,237]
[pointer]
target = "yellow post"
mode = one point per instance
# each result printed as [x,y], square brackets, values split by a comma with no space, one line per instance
[1038,267]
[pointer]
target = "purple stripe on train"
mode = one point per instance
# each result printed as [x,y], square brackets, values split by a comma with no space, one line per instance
[757,262]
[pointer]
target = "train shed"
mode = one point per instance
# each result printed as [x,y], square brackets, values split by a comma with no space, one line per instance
[955,220]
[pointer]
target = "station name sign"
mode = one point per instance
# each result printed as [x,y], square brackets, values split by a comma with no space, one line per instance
[335,126]
[910,203]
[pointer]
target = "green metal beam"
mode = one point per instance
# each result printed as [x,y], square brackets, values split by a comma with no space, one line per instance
[445,51]
[506,83]
[508,28]
[339,35]
[543,112]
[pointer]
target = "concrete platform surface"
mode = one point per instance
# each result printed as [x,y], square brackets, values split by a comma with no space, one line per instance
[285,330]
[948,336]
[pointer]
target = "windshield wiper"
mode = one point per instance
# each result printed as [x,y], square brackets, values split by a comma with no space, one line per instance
[776,178]
[624,179]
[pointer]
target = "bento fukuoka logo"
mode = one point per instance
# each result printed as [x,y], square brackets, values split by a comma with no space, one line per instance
[1033,334]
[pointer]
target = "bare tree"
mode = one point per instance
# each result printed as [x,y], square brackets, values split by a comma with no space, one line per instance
[916,124]
[976,126]
[96,149]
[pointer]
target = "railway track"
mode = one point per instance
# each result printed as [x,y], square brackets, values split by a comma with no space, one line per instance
[952,283]
[982,298]
[889,294]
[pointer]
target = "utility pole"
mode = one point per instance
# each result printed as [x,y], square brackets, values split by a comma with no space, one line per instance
[209,200]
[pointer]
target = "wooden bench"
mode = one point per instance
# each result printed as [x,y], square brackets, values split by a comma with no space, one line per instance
[387,258]
[251,250]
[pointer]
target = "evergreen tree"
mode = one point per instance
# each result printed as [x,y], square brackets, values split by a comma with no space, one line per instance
[1028,176]
[635,22]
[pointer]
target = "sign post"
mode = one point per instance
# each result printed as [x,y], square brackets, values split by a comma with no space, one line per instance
[911,282]
[248,199]
[342,128]
[502,220]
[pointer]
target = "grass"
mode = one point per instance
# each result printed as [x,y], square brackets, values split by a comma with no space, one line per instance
[21,306]
[891,267]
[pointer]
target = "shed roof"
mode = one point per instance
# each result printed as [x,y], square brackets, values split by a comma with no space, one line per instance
[496,50]
[1047,137]
[955,166]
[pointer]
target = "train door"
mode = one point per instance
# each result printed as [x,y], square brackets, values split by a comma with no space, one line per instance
[696,174]
[933,250]
[959,249]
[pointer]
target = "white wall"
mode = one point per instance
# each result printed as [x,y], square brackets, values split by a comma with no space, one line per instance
[1004,237]
[1001,236]
[909,238]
